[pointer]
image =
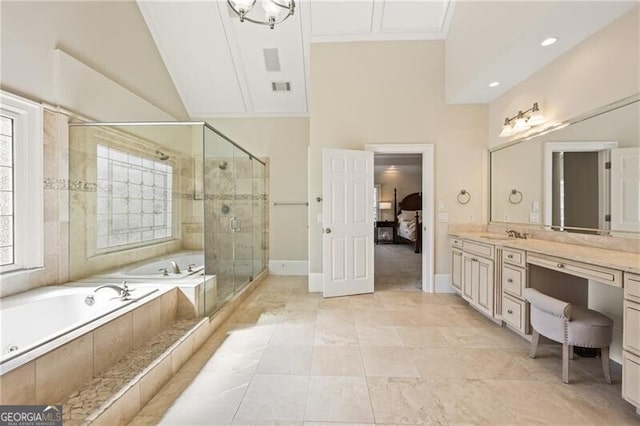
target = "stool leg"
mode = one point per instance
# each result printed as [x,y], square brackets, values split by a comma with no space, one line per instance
[535,338]
[565,363]
[605,364]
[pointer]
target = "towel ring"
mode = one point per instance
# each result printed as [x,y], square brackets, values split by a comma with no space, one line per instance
[515,196]
[463,196]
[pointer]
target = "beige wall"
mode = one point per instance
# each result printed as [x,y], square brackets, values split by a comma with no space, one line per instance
[600,70]
[284,142]
[109,36]
[393,92]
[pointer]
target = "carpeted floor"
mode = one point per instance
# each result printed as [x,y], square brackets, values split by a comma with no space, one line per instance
[397,267]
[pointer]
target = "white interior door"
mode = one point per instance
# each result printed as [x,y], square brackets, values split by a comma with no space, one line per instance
[625,189]
[347,246]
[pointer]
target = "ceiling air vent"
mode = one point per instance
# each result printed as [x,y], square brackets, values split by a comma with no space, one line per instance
[271,59]
[281,86]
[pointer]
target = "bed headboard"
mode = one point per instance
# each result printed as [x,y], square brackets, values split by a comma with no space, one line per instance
[411,202]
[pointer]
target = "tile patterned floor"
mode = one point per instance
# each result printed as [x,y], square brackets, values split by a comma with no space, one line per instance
[394,357]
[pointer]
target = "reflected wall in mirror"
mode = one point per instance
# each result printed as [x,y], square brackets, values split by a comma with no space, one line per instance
[561,179]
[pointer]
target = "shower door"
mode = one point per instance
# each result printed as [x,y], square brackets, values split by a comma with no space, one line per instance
[243,219]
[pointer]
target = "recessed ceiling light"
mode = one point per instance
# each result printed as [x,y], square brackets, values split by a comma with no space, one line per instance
[548,41]
[494,84]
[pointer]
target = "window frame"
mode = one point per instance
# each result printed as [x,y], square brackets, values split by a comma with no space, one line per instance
[28,187]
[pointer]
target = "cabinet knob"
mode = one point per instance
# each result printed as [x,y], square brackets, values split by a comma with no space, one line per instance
[560,265]
[509,280]
[509,311]
[510,256]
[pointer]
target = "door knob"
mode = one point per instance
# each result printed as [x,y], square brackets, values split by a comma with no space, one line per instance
[328,230]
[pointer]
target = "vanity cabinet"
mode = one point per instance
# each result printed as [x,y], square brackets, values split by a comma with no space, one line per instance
[473,273]
[631,340]
[513,278]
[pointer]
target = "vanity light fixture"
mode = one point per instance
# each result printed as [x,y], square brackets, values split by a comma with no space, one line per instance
[275,11]
[522,121]
[494,84]
[548,41]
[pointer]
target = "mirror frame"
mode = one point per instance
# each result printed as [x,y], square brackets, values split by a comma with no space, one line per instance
[550,129]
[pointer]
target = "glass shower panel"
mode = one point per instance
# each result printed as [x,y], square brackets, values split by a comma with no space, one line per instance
[259,218]
[243,220]
[219,208]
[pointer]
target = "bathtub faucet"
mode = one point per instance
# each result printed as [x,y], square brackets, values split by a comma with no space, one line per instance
[175,268]
[124,292]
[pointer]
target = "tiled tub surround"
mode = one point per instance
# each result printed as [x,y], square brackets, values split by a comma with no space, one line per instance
[190,264]
[122,406]
[21,334]
[84,187]
[50,372]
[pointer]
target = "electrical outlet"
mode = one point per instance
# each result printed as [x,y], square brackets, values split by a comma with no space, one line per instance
[319,218]
[506,217]
[534,217]
[535,206]
[443,217]
[441,206]
[470,218]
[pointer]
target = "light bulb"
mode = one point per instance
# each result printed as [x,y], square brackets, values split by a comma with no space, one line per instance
[244,5]
[536,118]
[271,10]
[506,129]
[520,124]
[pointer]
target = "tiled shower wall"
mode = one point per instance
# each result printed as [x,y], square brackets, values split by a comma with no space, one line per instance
[56,212]
[188,217]
[239,190]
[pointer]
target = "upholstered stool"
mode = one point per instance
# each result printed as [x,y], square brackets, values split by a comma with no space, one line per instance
[570,325]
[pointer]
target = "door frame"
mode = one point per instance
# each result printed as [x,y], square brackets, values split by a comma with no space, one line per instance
[428,189]
[547,160]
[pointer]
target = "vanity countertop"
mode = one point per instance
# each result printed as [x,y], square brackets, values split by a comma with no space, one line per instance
[621,260]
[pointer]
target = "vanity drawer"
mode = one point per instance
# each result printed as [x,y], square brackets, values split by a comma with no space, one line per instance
[485,250]
[456,242]
[513,312]
[632,287]
[631,378]
[631,327]
[513,280]
[514,256]
[579,269]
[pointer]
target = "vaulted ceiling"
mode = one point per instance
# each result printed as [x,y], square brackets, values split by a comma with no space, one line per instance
[224,68]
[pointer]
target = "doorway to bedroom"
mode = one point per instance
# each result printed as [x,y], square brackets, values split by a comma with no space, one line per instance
[398,182]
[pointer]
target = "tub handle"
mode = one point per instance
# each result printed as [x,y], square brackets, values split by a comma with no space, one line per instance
[164,271]
[190,267]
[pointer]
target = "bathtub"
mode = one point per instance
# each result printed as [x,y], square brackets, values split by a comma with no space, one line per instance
[32,319]
[153,269]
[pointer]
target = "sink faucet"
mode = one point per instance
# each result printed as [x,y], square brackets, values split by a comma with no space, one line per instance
[175,268]
[123,292]
[515,234]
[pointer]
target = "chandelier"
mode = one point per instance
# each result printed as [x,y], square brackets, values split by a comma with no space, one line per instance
[274,11]
[522,121]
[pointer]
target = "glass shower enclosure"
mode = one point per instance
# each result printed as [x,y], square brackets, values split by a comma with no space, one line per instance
[166,204]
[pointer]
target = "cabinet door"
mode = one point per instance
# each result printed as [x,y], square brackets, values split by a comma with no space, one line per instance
[456,270]
[467,277]
[485,283]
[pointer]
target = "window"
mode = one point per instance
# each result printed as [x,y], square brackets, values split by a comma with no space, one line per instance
[21,184]
[7,211]
[134,203]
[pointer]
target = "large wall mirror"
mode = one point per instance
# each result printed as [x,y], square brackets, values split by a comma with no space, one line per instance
[583,177]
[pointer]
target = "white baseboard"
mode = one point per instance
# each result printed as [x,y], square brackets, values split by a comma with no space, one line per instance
[315,282]
[288,267]
[443,283]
